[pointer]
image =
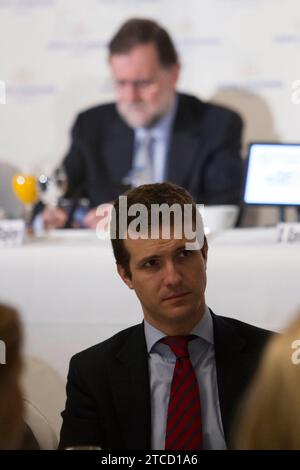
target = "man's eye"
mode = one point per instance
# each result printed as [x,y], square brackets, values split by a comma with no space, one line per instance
[144,83]
[150,263]
[184,253]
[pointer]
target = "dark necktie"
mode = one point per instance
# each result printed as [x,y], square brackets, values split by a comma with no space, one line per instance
[184,429]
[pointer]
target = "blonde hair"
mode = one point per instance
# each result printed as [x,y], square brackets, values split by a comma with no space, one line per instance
[270,415]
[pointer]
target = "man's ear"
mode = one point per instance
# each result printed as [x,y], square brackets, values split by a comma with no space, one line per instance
[204,250]
[122,273]
[175,73]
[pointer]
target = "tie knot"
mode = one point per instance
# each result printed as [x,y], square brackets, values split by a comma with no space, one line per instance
[178,344]
[145,138]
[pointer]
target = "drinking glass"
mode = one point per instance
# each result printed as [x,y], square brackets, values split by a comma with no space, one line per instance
[52,187]
[26,189]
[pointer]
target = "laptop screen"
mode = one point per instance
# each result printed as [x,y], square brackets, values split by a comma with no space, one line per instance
[273,174]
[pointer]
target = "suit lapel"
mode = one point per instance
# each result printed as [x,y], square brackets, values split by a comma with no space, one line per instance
[184,150]
[131,391]
[117,149]
[233,364]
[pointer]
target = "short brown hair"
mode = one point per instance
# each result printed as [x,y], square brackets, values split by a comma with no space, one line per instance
[137,31]
[148,195]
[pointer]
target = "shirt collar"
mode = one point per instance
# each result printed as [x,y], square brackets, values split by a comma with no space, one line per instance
[162,128]
[203,329]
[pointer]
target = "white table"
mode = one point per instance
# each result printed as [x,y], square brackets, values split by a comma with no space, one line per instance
[253,278]
[70,296]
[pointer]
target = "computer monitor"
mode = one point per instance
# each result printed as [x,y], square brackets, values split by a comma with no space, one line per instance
[273,175]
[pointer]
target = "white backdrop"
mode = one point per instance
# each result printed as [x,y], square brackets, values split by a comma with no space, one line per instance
[244,53]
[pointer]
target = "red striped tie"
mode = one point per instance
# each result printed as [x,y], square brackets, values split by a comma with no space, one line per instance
[184,429]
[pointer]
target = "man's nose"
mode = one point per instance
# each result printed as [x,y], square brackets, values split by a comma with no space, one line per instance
[130,92]
[172,276]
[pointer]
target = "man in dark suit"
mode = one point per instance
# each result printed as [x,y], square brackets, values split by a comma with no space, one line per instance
[174,381]
[191,143]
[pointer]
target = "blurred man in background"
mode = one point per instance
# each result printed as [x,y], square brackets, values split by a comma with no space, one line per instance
[151,133]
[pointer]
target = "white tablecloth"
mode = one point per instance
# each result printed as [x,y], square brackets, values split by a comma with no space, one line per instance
[70,296]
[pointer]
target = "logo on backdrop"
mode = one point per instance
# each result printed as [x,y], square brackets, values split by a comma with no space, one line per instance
[2,92]
[22,4]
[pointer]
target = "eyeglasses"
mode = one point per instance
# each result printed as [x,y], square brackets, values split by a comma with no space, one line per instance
[140,85]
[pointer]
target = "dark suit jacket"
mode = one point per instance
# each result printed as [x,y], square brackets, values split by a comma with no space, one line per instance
[108,390]
[204,153]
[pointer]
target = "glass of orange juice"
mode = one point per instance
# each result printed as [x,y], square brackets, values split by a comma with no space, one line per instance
[26,189]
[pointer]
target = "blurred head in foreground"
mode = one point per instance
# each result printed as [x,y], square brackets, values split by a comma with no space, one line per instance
[270,415]
[11,406]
